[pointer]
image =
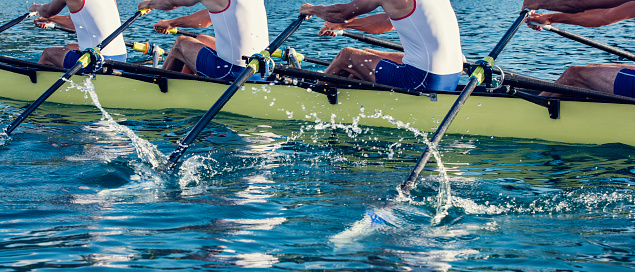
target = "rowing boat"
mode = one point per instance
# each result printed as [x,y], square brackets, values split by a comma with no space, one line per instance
[584,121]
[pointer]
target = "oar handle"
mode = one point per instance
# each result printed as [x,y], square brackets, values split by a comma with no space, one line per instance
[181,32]
[54,26]
[371,40]
[545,27]
[279,53]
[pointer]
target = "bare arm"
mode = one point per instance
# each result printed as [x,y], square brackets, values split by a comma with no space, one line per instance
[50,9]
[590,18]
[377,23]
[166,4]
[199,19]
[340,13]
[62,20]
[572,6]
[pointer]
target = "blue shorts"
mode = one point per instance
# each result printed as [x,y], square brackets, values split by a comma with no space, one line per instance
[406,76]
[209,64]
[71,57]
[625,83]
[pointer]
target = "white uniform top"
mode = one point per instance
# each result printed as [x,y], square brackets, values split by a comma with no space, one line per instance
[430,37]
[94,22]
[240,30]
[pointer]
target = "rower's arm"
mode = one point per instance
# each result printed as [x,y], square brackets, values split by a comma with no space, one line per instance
[61,20]
[590,18]
[199,19]
[572,6]
[340,13]
[48,10]
[377,23]
[166,4]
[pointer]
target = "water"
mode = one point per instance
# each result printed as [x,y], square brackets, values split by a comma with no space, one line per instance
[271,195]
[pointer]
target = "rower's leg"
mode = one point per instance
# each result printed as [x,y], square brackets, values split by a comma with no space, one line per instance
[397,57]
[184,52]
[55,55]
[598,77]
[354,63]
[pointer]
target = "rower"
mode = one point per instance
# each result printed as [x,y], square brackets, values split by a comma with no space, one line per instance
[92,20]
[429,33]
[617,79]
[240,30]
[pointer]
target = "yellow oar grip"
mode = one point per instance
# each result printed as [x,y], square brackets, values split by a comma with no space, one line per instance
[144,11]
[85,60]
[254,62]
[278,54]
[171,30]
[479,72]
[141,47]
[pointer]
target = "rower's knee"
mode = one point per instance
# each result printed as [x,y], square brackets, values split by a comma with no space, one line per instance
[345,55]
[575,75]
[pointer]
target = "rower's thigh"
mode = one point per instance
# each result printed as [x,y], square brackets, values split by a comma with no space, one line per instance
[393,56]
[594,77]
[54,56]
[209,41]
[187,49]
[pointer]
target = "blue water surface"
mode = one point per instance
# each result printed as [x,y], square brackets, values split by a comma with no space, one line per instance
[78,194]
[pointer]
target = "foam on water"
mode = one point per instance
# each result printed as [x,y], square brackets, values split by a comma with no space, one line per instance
[379,217]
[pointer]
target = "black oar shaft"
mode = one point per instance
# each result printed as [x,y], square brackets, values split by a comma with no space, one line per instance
[65,29]
[475,79]
[436,138]
[373,40]
[83,61]
[509,34]
[593,43]
[16,21]
[187,33]
[42,98]
[216,108]
[209,115]
[119,30]
[317,61]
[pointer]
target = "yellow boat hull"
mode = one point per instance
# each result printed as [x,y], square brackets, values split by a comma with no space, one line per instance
[580,122]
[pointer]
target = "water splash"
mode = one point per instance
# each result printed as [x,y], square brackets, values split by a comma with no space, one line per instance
[4,139]
[146,151]
[380,218]
[444,198]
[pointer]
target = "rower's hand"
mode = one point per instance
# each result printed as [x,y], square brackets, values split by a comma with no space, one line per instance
[544,19]
[41,22]
[34,7]
[307,10]
[163,26]
[330,27]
